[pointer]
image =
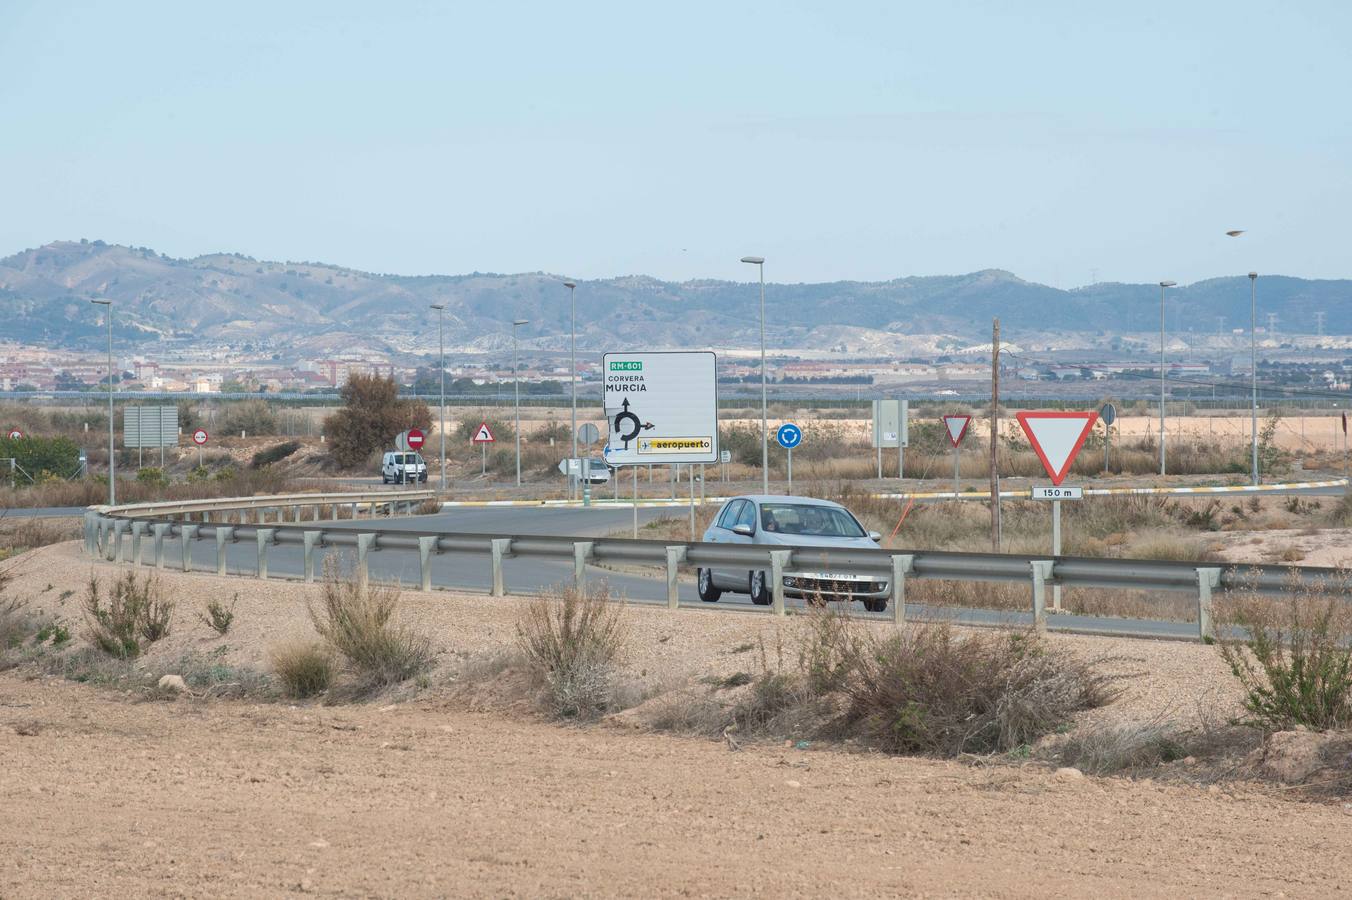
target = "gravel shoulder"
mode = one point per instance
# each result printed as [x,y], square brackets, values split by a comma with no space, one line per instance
[105,793]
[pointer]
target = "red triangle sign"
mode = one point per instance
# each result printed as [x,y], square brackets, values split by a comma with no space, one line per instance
[1056,438]
[956,426]
[483,435]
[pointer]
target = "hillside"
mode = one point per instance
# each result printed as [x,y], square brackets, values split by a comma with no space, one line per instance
[233,300]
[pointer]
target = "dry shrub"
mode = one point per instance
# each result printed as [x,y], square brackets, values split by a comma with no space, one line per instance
[134,610]
[1124,747]
[572,641]
[16,624]
[927,689]
[354,616]
[20,535]
[306,668]
[1293,657]
[218,616]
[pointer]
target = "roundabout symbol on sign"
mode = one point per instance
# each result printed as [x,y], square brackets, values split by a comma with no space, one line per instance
[628,432]
[789,436]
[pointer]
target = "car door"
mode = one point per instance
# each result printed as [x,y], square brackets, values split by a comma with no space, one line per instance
[744,514]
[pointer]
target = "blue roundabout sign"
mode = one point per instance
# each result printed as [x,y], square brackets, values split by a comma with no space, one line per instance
[789,436]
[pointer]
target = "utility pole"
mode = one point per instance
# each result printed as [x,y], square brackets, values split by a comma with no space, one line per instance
[1319,323]
[995,436]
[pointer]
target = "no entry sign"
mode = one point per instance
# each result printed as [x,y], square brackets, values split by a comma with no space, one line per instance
[416,438]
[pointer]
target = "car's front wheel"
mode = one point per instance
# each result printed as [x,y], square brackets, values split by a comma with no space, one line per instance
[878,604]
[758,589]
[707,592]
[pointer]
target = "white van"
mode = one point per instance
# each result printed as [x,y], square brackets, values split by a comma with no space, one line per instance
[402,468]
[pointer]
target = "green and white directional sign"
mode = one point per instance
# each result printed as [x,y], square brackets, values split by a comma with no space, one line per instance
[662,408]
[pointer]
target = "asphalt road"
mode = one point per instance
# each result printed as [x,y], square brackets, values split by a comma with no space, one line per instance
[529,576]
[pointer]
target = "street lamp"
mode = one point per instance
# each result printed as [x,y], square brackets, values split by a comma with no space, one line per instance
[572,370]
[759,263]
[1253,364]
[112,471]
[1163,285]
[516,388]
[441,365]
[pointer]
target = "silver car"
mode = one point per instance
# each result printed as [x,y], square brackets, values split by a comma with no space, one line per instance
[791,522]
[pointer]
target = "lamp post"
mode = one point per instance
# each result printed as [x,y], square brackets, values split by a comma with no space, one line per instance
[759,263]
[1163,286]
[112,463]
[1253,364]
[516,388]
[572,376]
[441,365]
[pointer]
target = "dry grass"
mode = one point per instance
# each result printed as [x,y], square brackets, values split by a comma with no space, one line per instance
[354,618]
[1124,746]
[20,535]
[306,668]
[572,641]
[131,612]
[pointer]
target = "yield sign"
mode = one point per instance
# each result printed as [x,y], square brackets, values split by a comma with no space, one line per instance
[483,435]
[1056,438]
[956,427]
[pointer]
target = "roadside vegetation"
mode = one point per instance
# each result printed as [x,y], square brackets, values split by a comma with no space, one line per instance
[573,642]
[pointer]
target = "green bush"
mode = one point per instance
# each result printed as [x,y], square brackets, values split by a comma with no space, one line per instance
[134,610]
[152,476]
[34,454]
[1293,657]
[253,417]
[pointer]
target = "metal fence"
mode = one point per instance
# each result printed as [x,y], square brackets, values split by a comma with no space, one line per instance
[106,530]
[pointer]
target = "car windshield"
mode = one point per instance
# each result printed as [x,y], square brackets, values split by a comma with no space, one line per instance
[814,521]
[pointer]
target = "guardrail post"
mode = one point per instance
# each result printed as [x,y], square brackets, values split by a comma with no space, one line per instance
[264,537]
[89,533]
[903,564]
[314,512]
[582,551]
[778,560]
[675,556]
[159,529]
[354,510]
[119,526]
[186,535]
[1208,579]
[225,534]
[312,539]
[138,528]
[365,543]
[499,547]
[295,513]
[1042,573]
[426,546]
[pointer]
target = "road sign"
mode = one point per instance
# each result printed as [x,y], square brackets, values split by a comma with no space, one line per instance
[1058,493]
[725,456]
[890,423]
[1056,438]
[483,435]
[956,426]
[415,438]
[588,434]
[200,437]
[789,435]
[15,435]
[661,408]
[1108,413]
[150,426]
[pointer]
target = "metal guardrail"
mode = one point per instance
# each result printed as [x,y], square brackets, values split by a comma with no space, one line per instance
[104,538]
[242,506]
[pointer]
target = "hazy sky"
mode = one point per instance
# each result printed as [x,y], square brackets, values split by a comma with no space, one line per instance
[1061,141]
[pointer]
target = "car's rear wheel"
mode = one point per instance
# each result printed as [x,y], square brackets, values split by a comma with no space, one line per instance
[707,592]
[758,589]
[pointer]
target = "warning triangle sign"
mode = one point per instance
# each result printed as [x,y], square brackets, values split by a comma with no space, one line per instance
[957,427]
[1056,438]
[483,435]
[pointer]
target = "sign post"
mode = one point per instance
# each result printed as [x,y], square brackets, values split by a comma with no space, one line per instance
[1108,413]
[956,428]
[661,407]
[587,435]
[789,436]
[200,437]
[1056,438]
[483,437]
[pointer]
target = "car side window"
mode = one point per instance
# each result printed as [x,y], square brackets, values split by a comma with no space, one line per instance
[729,517]
[747,515]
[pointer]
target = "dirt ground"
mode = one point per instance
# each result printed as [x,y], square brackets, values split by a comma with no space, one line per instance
[104,792]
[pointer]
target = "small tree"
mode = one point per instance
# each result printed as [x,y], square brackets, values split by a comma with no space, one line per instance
[371,416]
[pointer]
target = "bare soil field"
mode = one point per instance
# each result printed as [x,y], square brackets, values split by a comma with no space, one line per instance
[434,789]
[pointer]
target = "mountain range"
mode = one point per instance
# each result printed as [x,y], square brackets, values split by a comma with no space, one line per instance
[313,308]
